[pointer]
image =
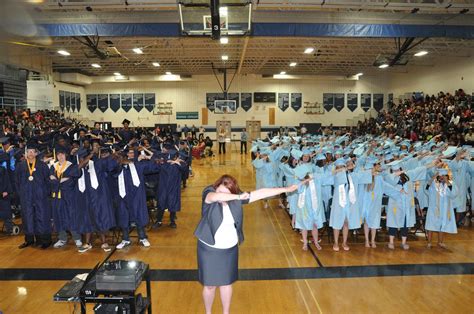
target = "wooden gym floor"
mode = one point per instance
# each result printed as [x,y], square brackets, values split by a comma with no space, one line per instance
[276,276]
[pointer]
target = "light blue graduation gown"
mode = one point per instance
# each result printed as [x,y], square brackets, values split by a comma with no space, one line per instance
[350,211]
[460,169]
[310,215]
[440,217]
[265,174]
[402,205]
[291,179]
[371,202]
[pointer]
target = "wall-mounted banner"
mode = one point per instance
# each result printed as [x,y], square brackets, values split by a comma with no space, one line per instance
[73,101]
[138,102]
[67,97]
[378,102]
[352,101]
[283,101]
[150,101]
[339,101]
[103,102]
[328,101]
[114,102]
[365,101]
[296,101]
[126,101]
[91,102]
[62,100]
[78,102]
[246,101]
[187,115]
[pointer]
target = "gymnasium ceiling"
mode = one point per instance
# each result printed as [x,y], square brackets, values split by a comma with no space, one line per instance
[249,55]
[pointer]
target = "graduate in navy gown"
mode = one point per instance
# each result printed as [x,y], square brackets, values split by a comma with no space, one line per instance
[132,207]
[171,169]
[63,175]
[97,214]
[32,179]
[5,206]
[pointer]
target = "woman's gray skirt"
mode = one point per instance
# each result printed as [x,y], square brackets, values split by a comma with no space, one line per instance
[217,267]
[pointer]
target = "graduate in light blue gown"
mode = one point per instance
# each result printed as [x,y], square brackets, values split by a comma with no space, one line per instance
[400,210]
[371,202]
[460,173]
[288,170]
[345,212]
[310,210]
[440,218]
[265,174]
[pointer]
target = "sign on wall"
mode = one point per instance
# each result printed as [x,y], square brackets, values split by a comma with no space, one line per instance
[150,101]
[328,101]
[78,102]
[283,101]
[62,101]
[126,102]
[246,101]
[296,101]
[138,102]
[339,101]
[378,102]
[187,115]
[91,102]
[73,101]
[114,102]
[352,101]
[68,101]
[103,102]
[365,101]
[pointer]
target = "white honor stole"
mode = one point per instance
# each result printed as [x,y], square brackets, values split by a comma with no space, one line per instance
[313,194]
[121,180]
[342,193]
[93,175]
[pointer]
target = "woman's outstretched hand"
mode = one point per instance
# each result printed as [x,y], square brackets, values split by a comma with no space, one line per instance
[292,188]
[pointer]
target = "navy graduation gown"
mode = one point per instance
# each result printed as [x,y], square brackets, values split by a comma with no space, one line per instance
[5,186]
[64,205]
[169,186]
[133,206]
[97,213]
[34,198]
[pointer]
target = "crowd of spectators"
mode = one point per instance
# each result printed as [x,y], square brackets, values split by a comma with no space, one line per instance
[424,117]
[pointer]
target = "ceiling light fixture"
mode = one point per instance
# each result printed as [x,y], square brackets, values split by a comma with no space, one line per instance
[95,65]
[282,73]
[117,74]
[137,50]
[293,64]
[224,40]
[225,58]
[383,66]
[308,50]
[421,53]
[156,64]
[64,53]
[359,74]
[168,73]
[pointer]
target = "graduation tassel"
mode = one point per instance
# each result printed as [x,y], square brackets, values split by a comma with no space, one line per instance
[449,215]
[372,194]
[54,153]
[394,210]
[59,194]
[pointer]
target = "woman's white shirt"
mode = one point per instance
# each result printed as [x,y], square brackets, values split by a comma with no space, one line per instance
[226,235]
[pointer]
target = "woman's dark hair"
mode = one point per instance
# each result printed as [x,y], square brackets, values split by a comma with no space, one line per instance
[404,178]
[229,182]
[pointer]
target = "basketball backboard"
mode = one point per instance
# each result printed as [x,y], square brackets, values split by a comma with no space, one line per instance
[196,18]
[225,106]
